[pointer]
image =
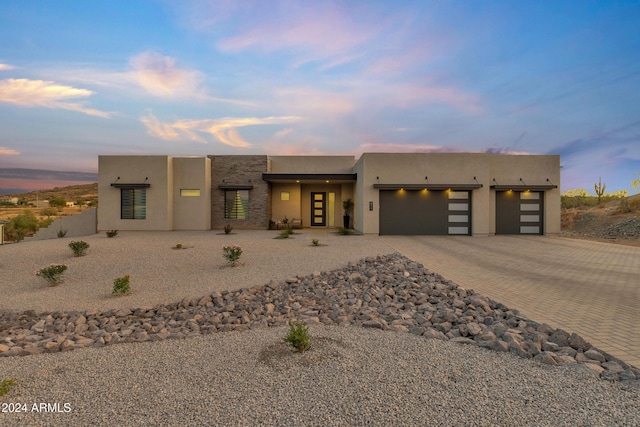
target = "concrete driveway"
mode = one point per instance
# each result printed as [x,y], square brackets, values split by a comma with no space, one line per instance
[586,287]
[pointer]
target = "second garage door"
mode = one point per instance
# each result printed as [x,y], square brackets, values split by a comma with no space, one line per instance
[425,212]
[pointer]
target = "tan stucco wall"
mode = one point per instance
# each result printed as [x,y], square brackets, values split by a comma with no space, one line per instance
[281,208]
[534,170]
[311,164]
[134,169]
[455,168]
[192,213]
[412,168]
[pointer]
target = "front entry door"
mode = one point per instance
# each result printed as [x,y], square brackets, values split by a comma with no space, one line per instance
[318,209]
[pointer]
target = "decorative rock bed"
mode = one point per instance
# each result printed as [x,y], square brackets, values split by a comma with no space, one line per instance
[387,292]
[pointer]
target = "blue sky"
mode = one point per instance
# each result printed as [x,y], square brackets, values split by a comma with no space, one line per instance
[79,79]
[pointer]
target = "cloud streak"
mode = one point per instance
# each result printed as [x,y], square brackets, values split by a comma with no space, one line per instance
[6,67]
[42,93]
[314,31]
[225,130]
[4,151]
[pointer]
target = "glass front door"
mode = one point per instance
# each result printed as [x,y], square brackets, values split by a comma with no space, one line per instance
[318,209]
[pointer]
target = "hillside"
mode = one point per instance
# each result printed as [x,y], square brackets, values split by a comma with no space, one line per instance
[617,221]
[70,193]
[87,192]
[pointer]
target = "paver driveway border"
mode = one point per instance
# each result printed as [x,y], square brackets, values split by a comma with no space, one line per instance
[586,287]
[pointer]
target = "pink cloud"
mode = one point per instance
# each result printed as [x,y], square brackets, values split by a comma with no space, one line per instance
[376,147]
[4,151]
[408,95]
[225,129]
[6,67]
[41,93]
[160,76]
[316,31]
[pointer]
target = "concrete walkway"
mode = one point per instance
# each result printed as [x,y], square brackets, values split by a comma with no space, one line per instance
[586,287]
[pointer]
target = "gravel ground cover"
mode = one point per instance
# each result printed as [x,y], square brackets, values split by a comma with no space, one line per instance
[162,274]
[350,376]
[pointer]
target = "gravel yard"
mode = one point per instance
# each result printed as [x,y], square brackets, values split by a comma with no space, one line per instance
[350,376]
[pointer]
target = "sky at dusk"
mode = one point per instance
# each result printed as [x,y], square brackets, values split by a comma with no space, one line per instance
[79,79]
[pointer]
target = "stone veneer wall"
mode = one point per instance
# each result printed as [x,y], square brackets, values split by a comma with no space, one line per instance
[240,170]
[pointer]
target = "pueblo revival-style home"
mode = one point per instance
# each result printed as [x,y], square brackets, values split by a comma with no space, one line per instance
[391,193]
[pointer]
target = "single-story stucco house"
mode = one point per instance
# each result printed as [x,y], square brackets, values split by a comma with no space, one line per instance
[392,193]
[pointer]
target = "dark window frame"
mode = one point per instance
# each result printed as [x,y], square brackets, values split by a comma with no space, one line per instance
[133,203]
[236,207]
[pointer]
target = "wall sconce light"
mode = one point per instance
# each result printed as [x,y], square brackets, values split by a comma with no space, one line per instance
[370,206]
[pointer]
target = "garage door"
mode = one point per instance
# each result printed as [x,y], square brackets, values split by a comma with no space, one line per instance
[425,212]
[519,212]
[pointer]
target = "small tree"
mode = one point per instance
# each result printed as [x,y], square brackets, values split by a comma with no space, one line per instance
[49,212]
[599,188]
[57,202]
[636,182]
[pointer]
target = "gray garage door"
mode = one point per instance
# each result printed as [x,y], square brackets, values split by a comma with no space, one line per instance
[422,212]
[519,212]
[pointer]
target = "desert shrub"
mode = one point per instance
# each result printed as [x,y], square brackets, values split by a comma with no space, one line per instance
[21,225]
[5,386]
[345,231]
[298,336]
[315,242]
[112,233]
[62,232]
[227,229]
[178,246]
[232,254]
[121,285]
[52,273]
[78,247]
[284,234]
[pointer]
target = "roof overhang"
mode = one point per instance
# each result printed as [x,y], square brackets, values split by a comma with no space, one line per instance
[235,187]
[311,178]
[455,187]
[520,187]
[131,185]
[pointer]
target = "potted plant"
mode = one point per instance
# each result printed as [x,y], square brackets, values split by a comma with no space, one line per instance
[347,205]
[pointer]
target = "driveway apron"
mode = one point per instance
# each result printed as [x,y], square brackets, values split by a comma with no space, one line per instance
[590,288]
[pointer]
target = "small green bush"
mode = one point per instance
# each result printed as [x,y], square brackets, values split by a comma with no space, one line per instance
[62,232]
[232,254]
[298,336]
[178,246]
[121,285]
[112,233]
[315,242]
[78,247]
[52,273]
[345,231]
[284,234]
[227,229]
[5,386]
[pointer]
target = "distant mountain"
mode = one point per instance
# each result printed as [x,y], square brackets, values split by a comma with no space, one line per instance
[12,190]
[41,175]
[19,181]
[70,193]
